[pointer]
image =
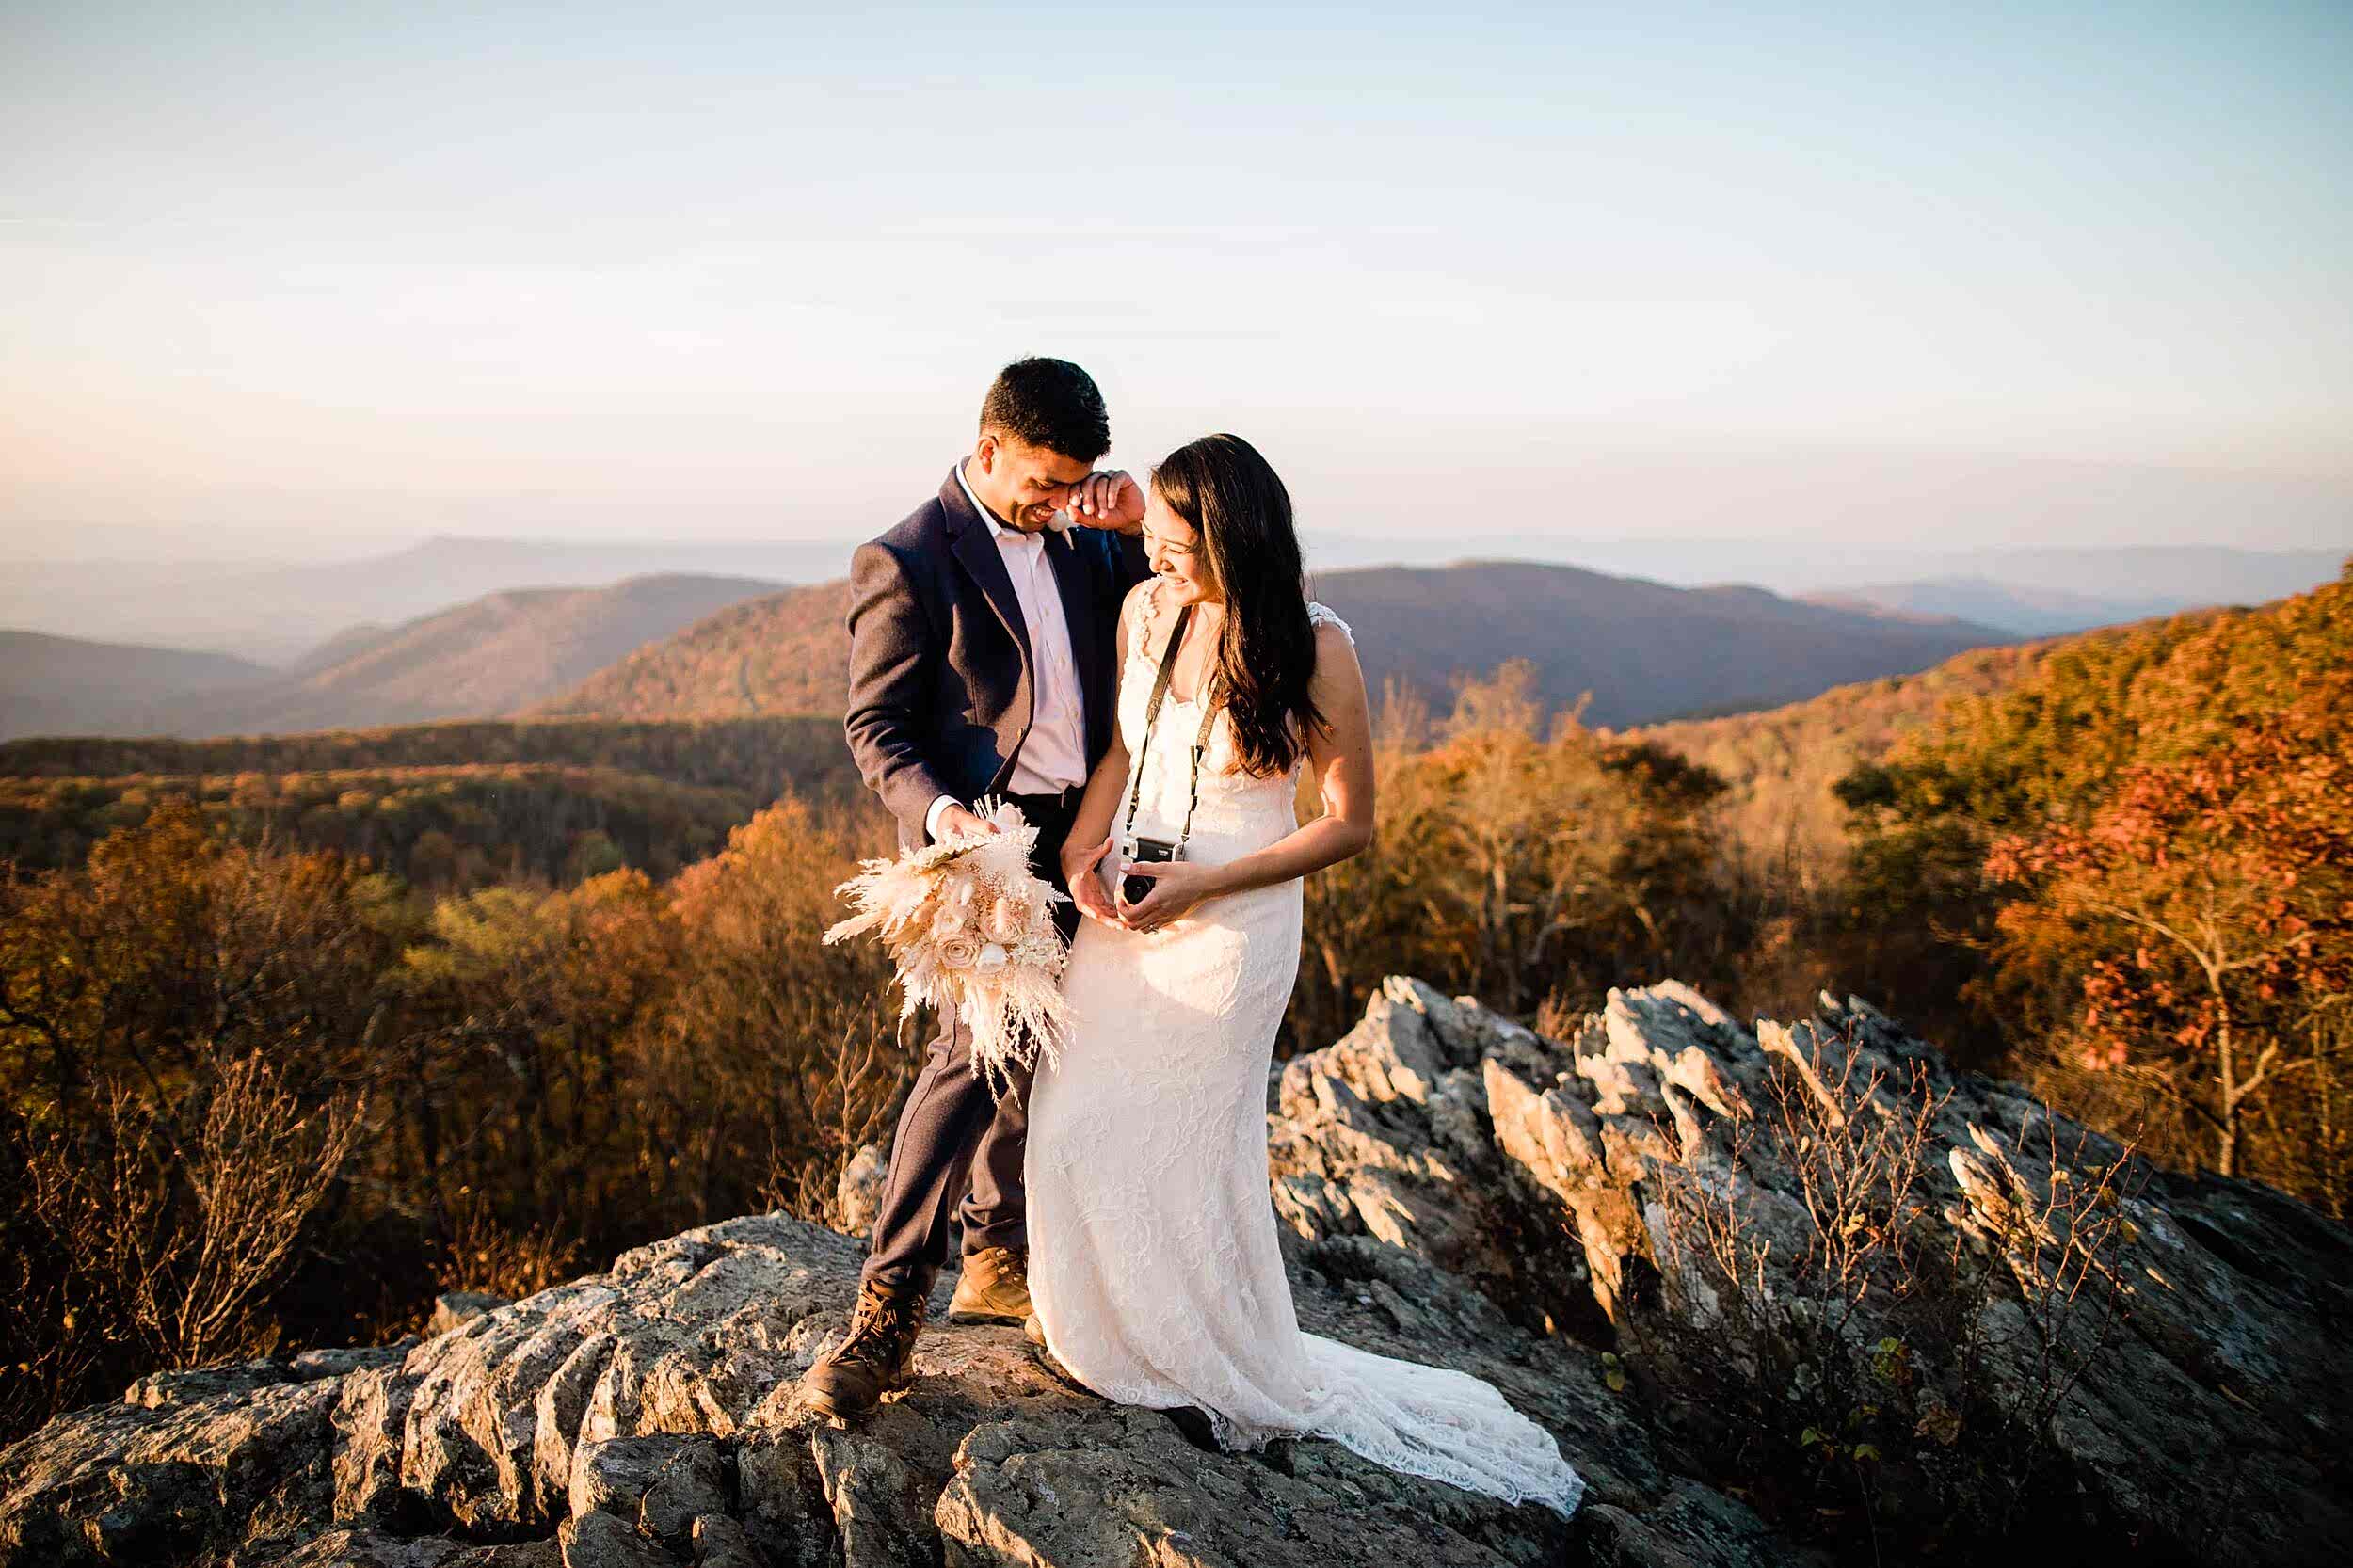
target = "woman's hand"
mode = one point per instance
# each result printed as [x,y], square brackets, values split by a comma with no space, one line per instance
[1086,887]
[1177,888]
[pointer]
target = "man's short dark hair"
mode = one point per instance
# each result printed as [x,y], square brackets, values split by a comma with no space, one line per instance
[1049,403]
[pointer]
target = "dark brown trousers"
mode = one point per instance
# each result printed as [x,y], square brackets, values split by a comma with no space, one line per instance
[955,1147]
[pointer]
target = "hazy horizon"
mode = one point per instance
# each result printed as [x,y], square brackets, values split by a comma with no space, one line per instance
[1818,503]
[342,277]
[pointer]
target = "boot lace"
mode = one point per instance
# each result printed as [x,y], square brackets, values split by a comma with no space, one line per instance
[882,1320]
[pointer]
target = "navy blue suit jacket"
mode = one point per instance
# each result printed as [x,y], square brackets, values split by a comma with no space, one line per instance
[940,671]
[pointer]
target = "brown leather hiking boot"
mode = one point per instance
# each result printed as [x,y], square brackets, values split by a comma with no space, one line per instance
[994,1287]
[877,1356]
[1043,1355]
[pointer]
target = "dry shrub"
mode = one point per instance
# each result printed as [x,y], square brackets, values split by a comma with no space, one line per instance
[2062,1245]
[849,1094]
[1854,1155]
[483,1253]
[1559,1015]
[54,1349]
[179,1220]
[1814,1310]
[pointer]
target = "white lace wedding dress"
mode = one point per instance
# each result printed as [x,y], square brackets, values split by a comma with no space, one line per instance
[1153,1265]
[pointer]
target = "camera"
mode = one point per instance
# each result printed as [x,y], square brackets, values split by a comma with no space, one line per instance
[1132,888]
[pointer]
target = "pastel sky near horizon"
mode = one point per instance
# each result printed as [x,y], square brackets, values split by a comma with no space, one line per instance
[287,273]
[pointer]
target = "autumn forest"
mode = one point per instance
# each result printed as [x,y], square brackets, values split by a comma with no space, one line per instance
[299,1031]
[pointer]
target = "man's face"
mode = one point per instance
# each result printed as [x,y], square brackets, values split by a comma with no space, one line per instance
[1025,484]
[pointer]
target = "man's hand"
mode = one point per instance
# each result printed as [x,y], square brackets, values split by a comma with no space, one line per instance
[1109,499]
[955,821]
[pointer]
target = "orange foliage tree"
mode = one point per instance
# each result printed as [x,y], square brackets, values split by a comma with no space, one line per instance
[2206,909]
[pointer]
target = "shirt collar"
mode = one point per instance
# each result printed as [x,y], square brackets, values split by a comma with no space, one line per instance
[1002,529]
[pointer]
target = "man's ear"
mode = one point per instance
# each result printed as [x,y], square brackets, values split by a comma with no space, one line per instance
[986,450]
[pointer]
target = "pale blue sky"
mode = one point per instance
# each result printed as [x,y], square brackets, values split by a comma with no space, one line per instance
[327,272]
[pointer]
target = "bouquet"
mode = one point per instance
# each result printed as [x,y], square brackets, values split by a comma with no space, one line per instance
[971,928]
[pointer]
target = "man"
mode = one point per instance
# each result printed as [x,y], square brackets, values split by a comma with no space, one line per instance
[982,659]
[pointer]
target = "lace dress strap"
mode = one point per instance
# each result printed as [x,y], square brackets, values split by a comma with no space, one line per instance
[1319,612]
[1139,644]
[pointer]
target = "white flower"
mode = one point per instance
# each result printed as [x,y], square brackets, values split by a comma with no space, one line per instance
[991,959]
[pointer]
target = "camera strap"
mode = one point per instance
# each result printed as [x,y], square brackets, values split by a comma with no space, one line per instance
[1151,713]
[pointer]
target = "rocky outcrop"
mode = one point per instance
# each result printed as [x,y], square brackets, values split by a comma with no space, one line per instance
[645,1416]
[1451,1188]
[2187,1336]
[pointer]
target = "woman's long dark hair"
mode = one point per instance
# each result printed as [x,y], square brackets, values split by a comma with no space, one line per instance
[1266,649]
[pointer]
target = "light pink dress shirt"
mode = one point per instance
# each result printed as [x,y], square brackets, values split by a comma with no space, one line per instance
[1054,753]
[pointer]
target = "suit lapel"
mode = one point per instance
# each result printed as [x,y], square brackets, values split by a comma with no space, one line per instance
[975,548]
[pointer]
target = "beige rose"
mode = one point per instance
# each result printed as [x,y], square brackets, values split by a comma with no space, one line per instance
[959,953]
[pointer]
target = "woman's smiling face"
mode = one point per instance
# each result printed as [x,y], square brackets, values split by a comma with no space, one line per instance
[1173,548]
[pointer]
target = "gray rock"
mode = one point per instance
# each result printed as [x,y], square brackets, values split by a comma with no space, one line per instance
[1693,1528]
[197,1385]
[720,1542]
[1385,1134]
[785,1510]
[368,1549]
[170,1481]
[601,1541]
[2214,1395]
[858,1197]
[663,1482]
[457,1308]
[371,1413]
[527,1554]
[1123,1486]
[343,1360]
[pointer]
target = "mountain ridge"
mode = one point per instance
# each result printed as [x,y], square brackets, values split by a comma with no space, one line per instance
[275,612]
[2014,608]
[492,654]
[1646,649]
[49,681]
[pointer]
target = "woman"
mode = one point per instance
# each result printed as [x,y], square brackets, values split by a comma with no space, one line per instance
[1154,1273]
